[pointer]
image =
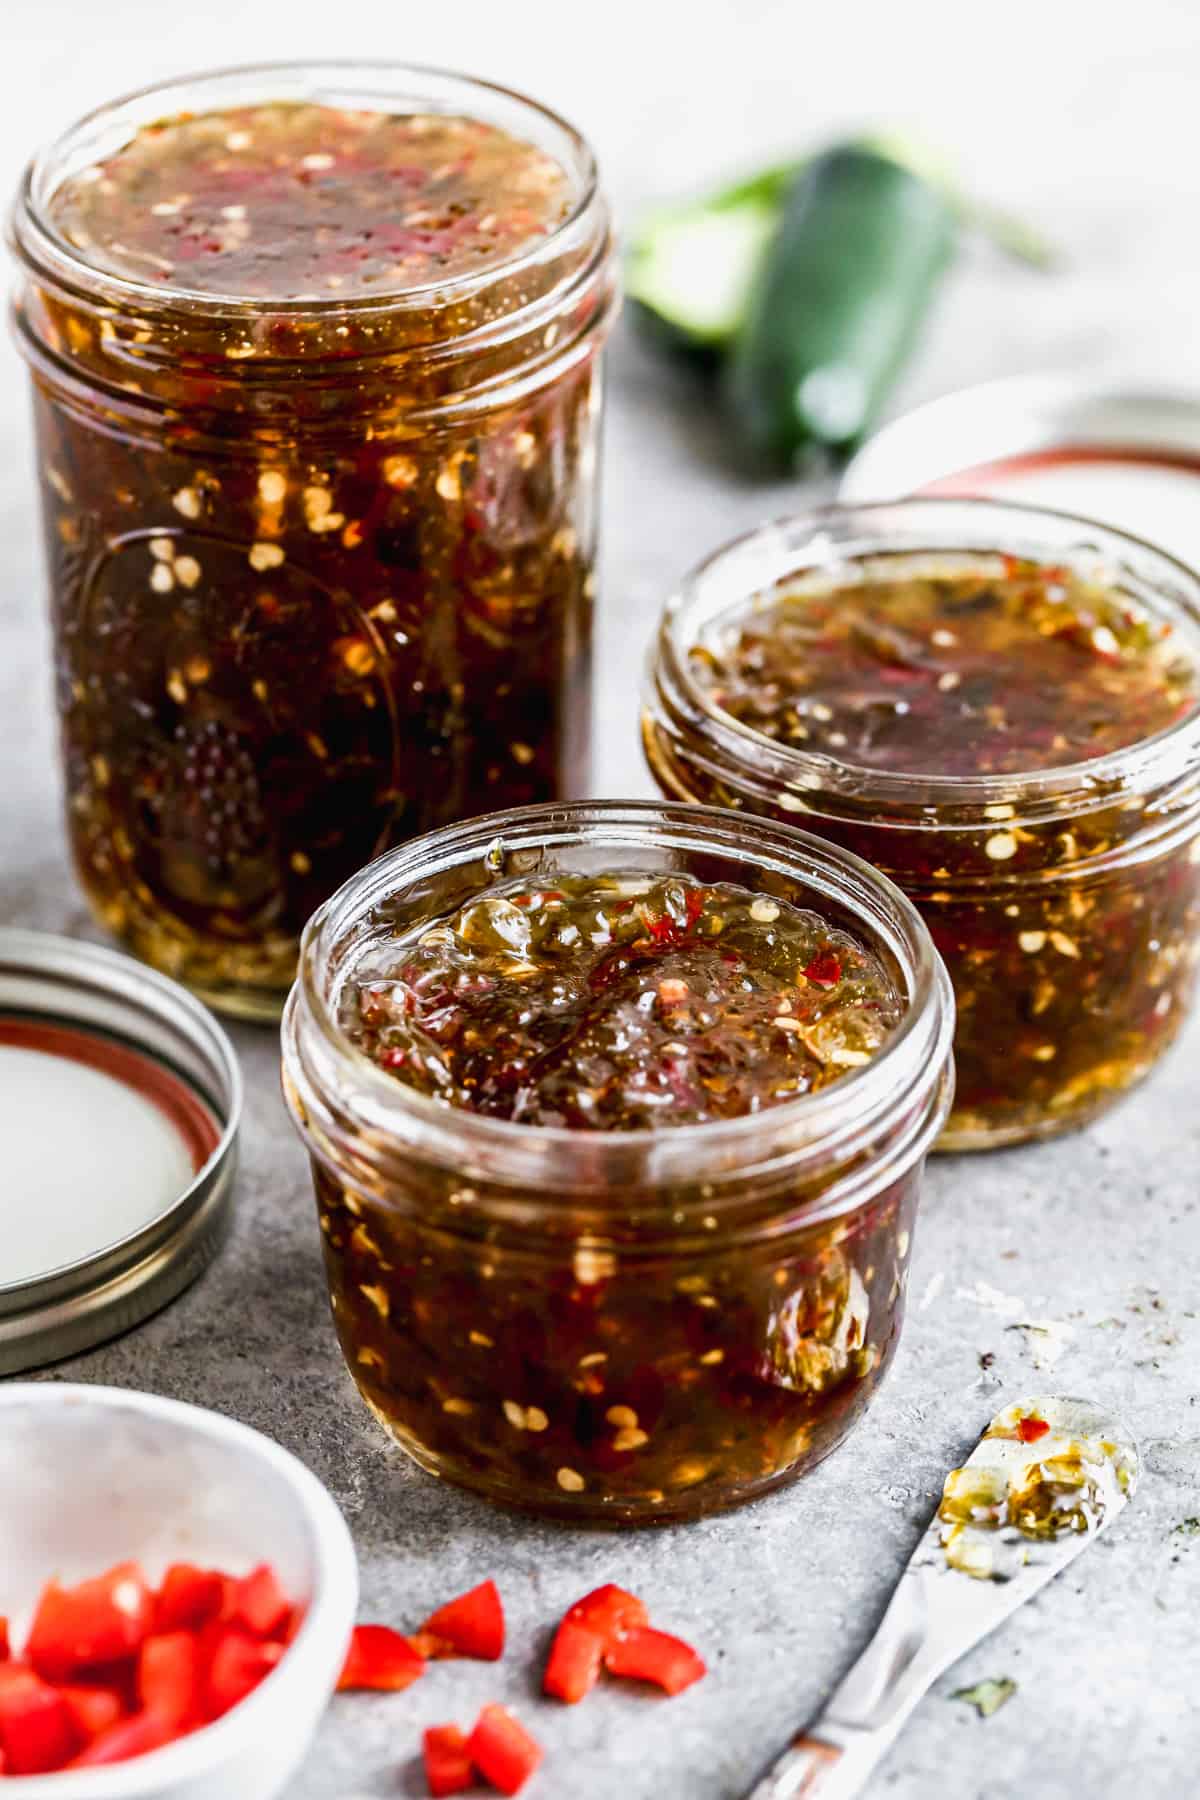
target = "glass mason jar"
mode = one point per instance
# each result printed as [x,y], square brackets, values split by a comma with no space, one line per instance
[321,569]
[628,1326]
[1065,901]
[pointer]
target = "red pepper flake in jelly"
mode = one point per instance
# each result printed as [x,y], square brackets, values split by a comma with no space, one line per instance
[1001,667]
[621,1003]
[296,201]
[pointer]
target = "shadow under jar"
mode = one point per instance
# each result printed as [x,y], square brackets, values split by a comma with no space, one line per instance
[999,708]
[640,1322]
[316,390]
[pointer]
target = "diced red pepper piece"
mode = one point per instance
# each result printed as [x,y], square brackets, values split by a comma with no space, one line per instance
[381,1658]
[100,1621]
[448,1766]
[130,1737]
[92,1709]
[260,1602]
[188,1598]
[472,1625]
[239,1662]
[825,970]
[576,1656]
[610,1612]
[36,1731]
[5,1651]
[1030,1430]
[648,1655]
[502,1750]
[168,1677]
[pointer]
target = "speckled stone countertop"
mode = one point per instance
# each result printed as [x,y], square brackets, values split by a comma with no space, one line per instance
[1096,1236]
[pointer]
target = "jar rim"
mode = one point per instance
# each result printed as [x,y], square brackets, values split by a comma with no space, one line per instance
[907,1076]
[875,528]
[41,246]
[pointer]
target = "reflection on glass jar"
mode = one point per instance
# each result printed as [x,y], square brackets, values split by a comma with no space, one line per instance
[319,494]
[629,1325]
[1064,895]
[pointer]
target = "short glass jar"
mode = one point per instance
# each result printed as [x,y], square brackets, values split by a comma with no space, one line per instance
[322,568]
[1065,901]
[627,1326]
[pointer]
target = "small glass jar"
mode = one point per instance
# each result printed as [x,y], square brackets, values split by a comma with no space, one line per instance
[1065,901]
[321,569]
[630,1326]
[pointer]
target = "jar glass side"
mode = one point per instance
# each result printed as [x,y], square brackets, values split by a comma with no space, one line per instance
[1066,902]
[633,1326]
[322,575]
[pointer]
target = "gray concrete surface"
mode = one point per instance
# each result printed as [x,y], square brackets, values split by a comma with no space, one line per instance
[1084,116]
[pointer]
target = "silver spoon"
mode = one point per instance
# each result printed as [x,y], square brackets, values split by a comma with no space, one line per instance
[1046,1478]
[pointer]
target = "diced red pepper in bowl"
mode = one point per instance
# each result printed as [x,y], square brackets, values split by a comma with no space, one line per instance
[239,1662]
[92,1709]
[99,1621]
[37,1734]
[471,1625]
[188,1598]
[260,1602]
[380,1658]
[648,1655]
[131,1737]
[575,1661]
[168,1677]
[448,1766]
[502,1750]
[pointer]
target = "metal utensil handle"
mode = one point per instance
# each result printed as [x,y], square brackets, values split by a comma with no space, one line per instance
[820,1768]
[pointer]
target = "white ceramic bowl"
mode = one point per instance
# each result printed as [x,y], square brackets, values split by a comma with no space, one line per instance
[92,1476]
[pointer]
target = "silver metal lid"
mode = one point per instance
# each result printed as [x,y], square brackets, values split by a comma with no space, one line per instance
[1129,455]
[120,1098]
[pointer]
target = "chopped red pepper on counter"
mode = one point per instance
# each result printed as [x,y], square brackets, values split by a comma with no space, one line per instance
[575,1661]
[380,1658]
[448,1765]
[502,1750]
[609,1611]
[648,1655]
[1030,1430]
[4,1650]
[471,1625]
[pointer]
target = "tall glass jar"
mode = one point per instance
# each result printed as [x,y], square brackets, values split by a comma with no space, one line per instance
[321,569]
[1065,901]
[627,1326]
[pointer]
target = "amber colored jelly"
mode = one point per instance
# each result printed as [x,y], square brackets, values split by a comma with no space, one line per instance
[1011,734]
[617,1158]
[317,404]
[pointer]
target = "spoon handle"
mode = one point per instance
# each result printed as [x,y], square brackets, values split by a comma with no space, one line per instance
[834,1757]
[831,1762]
